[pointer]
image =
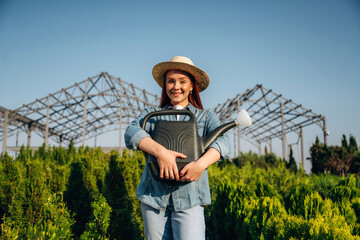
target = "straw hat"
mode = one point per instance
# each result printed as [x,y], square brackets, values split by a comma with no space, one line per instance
[184,64]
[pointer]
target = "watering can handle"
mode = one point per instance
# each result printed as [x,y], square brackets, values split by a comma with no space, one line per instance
[168,112]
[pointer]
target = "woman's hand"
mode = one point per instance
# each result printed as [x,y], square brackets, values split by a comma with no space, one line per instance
[167,164]
[193,170]
[166,158]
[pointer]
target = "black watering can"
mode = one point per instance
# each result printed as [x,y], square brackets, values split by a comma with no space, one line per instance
[182,136]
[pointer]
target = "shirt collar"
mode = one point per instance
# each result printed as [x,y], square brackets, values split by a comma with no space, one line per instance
[189,107]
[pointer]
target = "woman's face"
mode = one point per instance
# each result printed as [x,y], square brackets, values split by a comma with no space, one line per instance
[178,86]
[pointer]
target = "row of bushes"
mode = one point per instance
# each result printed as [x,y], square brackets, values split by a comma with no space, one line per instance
[338,160]
[59,193]
[274,203]
[70,194]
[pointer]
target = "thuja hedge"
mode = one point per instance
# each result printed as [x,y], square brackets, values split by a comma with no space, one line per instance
[274,203]
[59,193]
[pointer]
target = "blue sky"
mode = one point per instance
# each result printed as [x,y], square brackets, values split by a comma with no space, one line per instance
[308,51]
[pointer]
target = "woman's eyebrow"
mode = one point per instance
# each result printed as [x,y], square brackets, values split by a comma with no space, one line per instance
[181,78]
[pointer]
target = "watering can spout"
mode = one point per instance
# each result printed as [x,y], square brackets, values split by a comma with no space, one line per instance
[208,139]
[242,119]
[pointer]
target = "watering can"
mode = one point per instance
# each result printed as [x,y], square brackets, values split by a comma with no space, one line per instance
[182,136]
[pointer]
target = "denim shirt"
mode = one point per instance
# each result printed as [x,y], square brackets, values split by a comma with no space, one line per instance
[156,193]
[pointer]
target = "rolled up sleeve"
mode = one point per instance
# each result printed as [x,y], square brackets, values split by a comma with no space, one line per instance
[222,143]
[134,133]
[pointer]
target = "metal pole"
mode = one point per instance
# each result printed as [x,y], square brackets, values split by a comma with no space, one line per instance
[238,128]
[302,147]
[282,129]
[270,145]
[17,139]
[238,138]
[5,126]
[235,153]
[120,119]
[259,148]
[28,135]
[84,115]
[47,123]
[325,131]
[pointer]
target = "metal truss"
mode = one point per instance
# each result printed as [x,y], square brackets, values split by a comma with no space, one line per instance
[273,115]
[105,103]
[82,111]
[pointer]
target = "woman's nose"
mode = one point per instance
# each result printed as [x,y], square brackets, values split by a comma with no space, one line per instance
[177,85]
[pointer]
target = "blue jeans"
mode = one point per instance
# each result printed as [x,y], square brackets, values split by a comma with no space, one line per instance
[168,224]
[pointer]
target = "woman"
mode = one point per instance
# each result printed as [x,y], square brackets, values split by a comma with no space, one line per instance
[175,211]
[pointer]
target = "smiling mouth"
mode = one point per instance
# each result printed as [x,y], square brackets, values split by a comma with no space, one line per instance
[176,93]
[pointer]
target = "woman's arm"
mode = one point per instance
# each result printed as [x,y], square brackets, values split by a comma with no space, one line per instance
[166,158]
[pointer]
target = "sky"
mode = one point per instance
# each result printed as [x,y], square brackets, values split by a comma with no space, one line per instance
[308,51]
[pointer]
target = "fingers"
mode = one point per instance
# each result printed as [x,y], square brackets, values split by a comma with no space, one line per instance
[176,173]
[180,155]
[169,173]
[183,171]
[161,175]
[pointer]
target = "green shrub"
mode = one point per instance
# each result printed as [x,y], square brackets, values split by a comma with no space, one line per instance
[355,204]
[78,199]
[266,209]
[313,204]
[294,199]
[120,184]
[97,228]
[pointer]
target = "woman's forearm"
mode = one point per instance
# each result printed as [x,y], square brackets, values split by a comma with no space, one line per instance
[210,157]
[148,145]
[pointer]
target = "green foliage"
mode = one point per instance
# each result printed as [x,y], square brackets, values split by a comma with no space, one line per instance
[295,197]
[78,199]
[355,204]
[346,190]
[120,183]
[84,193]
[248,204]
[266,208]
[338,160]
[100,220]
[10,178]
[291,164]
[318,156]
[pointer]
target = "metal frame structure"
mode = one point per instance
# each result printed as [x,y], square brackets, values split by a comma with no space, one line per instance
[273,116]
[82,111]
[105,103]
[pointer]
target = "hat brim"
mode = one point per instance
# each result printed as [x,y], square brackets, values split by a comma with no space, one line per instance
[201,78]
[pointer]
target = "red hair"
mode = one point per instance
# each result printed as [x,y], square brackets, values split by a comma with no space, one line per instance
[194,96]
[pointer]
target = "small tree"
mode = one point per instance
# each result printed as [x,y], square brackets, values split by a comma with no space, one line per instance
[98,226]
[353,147]
[78,199]
[318,156]
[291,165]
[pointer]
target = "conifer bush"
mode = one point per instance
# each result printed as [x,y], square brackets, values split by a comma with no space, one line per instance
[97,228]
[84,193]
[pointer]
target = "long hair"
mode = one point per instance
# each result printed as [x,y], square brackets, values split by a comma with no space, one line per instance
[194,96]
